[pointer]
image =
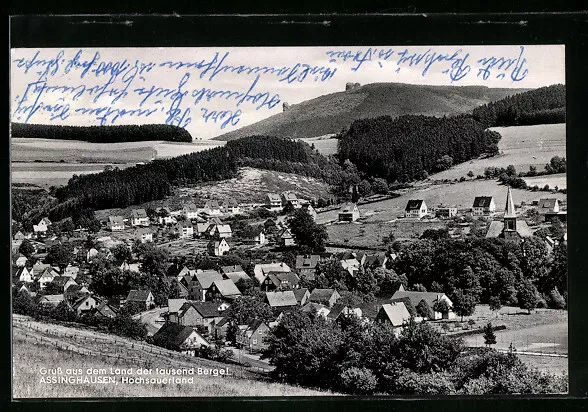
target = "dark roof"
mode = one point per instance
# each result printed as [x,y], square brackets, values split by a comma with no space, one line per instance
[290,277]
[307,261]
[138,295]
[299,293]
[173,333]
[348,208]
[413,204]
[61,280]
[138,213]
[336,310]
[482,201]
[416,297]
[377,259]
[206,309]
[320,295]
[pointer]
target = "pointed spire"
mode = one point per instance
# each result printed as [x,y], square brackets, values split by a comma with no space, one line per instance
[509,210]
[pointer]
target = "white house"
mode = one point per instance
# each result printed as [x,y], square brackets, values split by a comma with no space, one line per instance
[416,208]
[139,218]
[286,238]
[310,210]
[273,201]
[349,213]
[115,223]
[21,261]
[43,225]
[218,247]
[483,206]
[143,235]
[212,208]
[230,206]
[24,275]
[190,211]
[185,230]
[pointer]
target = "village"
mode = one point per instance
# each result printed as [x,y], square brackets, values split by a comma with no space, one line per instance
[195,313]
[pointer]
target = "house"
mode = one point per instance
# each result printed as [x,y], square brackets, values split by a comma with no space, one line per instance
[349,213]
[63,282]
[202,229]
[429,298]
[252,337]
[395,314]
[446,212]
[74,292]
[280,281]
[141,298]
[38,268]
[281,300]
[115,223]
[509,228]
[235,273]
[290,197]
[220,231]
[416,208]
[483,206]
[43,225]
[130,267]
[306,265]
[286,238]
[139,218]
[373,261]
[185,229]
[230,206]
[24,275]
[20,261]
[72,271]
[180,338]
[25,289]
[198,283]
[273,202]
[212,208]
[85,304]
[218,247]
[46,276]
[548,205]
[174,305]
[320,309]
[324,296]
[223,289]
[339,309]
[255,234]
[204,314]
[351,265]
[177,272]
[105,311]
[261,270]
[19,236]
[310,210]
[302,296]
[190,211]
[143,234]
[51,300]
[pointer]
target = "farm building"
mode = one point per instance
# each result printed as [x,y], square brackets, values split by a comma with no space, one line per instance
[349,213]
[218,247]
[429,298]
[143,298]
[179,338]
[139,218]
[416,208]
[509,228]
[324,296]
[115,223]
[483,206]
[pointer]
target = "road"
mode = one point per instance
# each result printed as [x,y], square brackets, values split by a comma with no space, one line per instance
[150,319]
[241,355]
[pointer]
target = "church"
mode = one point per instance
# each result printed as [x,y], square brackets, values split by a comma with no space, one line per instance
[510,228]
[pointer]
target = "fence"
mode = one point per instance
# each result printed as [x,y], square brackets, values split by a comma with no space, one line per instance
[118,348]
[523,344]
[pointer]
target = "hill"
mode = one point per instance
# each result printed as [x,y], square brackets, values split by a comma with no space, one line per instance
[333,112]
[39,345]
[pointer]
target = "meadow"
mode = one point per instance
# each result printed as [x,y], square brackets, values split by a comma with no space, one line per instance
[520,146]
[326,145]
[71,348]
[558,180]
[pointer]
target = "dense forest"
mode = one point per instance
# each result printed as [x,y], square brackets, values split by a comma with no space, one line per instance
[153,181]
[102,134]
[540,106]
[410,147]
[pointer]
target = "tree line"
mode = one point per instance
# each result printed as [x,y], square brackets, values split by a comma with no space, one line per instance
[411,147]
[540,106]
[102,134]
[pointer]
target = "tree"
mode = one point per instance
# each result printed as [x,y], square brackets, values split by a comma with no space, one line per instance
[511,171]
[64,312]
[124,325]
[556,300]
[52,289]
[527,295]
[364,188]
[494,304]
[489,335]
[464,303]
[424,310]
[174,289]
[60,255]
[249,307]
[122,253]
[358,381]
[232,332]
[26,248]
[441,306]
[470,174]
[247,286]
[443,163]
[306,232]
[380,186]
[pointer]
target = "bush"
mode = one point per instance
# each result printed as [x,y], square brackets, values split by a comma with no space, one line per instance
[412,383]
[358,381]
[556,300]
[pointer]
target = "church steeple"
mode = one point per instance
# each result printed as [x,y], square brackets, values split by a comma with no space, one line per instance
[509,210]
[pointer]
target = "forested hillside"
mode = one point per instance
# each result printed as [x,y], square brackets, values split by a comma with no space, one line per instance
[331,113]
[102,134]
[153,181]
[540,106]
[411,147]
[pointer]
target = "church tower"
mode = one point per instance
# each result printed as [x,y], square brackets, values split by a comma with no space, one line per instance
[510,218]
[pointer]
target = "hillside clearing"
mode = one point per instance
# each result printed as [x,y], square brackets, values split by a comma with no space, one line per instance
[30,354]
[520,146]
[558,180]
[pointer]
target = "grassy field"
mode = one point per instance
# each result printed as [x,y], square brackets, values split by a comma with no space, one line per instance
[521,146]
[54,174]
[558,180]
[326,145]
[70,348]
[461,194]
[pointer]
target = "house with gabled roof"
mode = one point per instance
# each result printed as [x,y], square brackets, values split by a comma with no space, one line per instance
[85,304]
[202,229]
[281,299]
[139,218]
[180,338]
[115,223]
[306,265]
[255,234]
[46,276]
[223,289]
[219,231]
[302,295]
[185,229]
[261,270]
[143,298]
[280,281]
[510,228]
[20,261]
[349,212]
[174,305]
[286,238]
[143,234]
[190,211]
[394,314]
[252,337]
[19,236]
[290,198]
[72,271]
[230,206]
[24,275]
[177,271]
[310,210]
[105,310]
[483,206]
[199,282]
[51,300]
[43,225]
[273,201]
[430,299]
[373,260]
[204,314]
[324,296]
[339,309]
[130,267]
[234,272]
[351,265]
[320,309]
[416,208]
[63,282]
[218,247]
[74,292]
[212,208]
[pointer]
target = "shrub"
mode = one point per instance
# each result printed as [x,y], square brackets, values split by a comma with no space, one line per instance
[358,381]
[556,300]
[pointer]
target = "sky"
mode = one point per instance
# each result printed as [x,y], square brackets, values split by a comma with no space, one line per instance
[43,81]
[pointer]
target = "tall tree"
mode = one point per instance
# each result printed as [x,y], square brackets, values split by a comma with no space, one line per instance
[307,232]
